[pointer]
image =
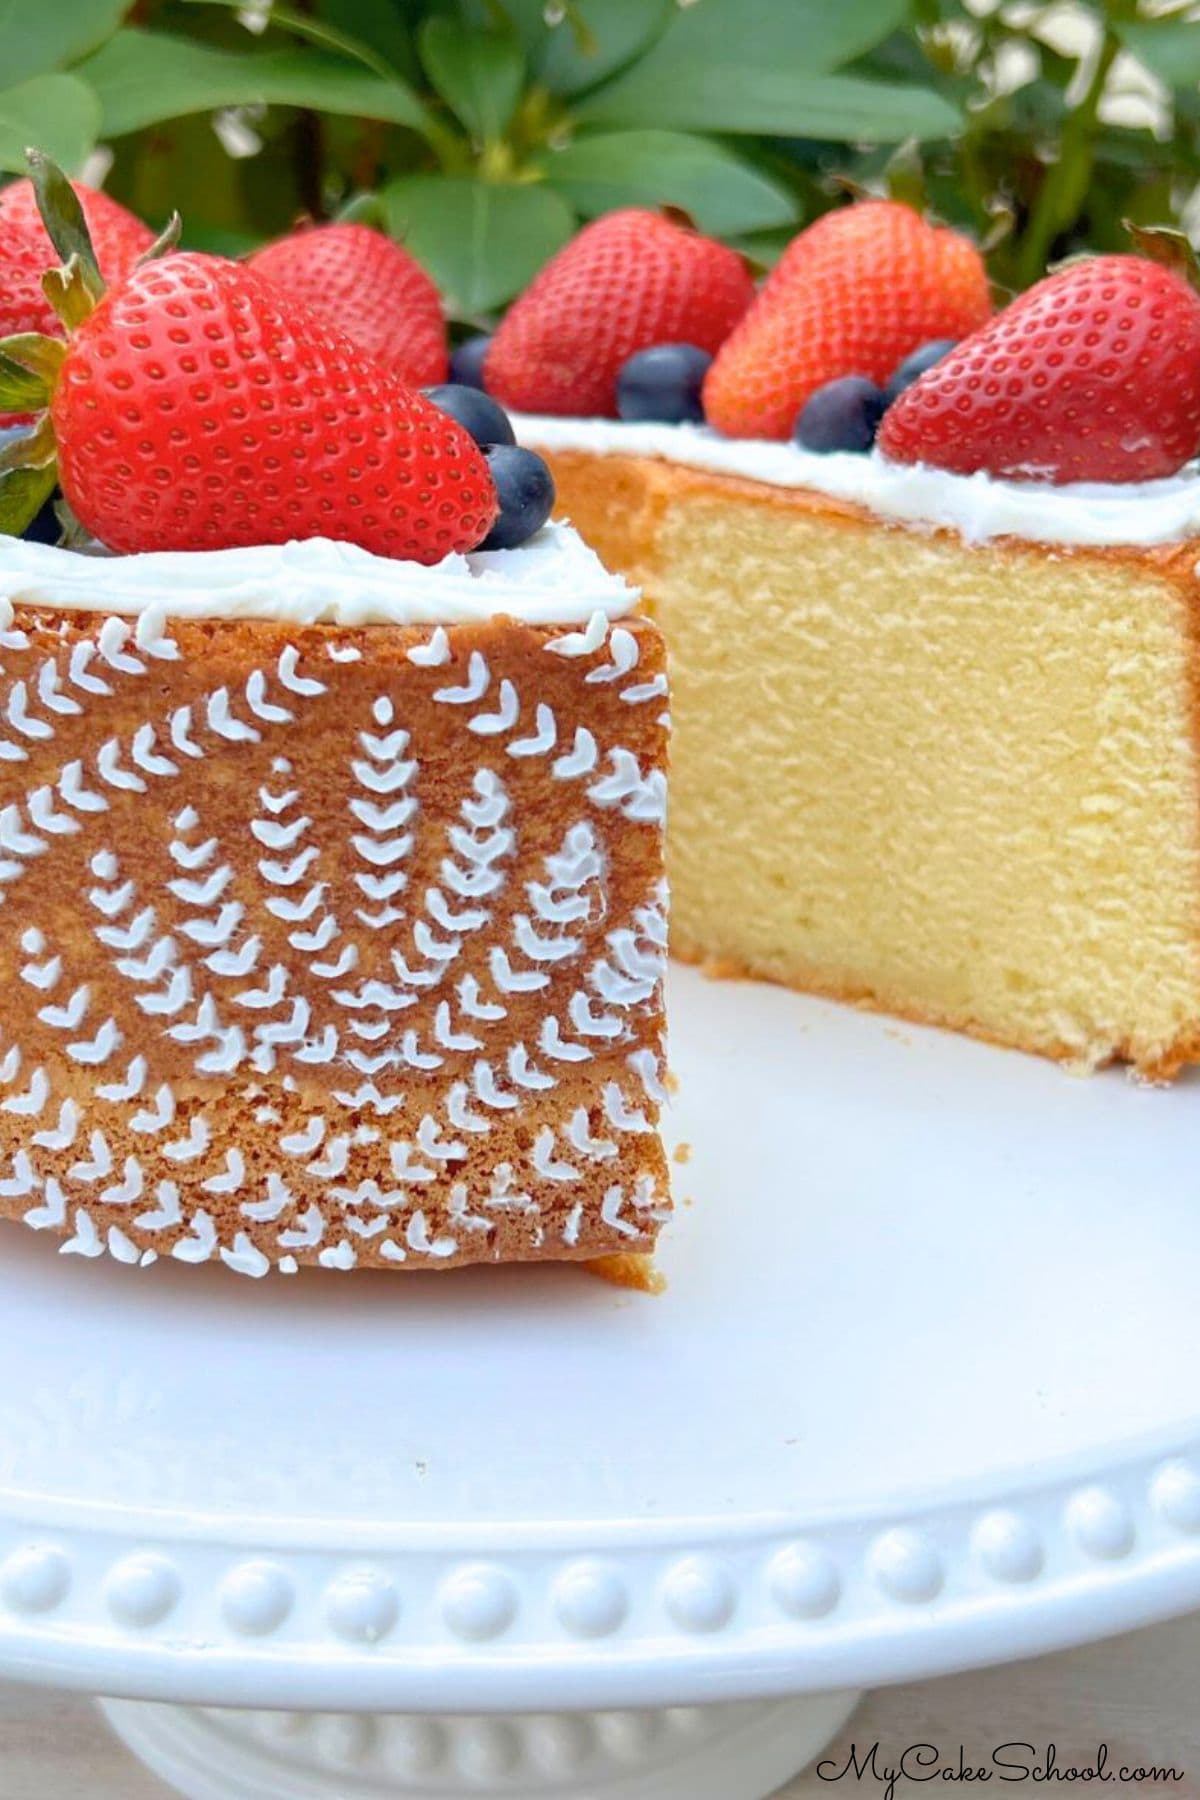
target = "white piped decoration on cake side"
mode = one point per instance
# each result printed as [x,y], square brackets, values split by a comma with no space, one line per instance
[186,933]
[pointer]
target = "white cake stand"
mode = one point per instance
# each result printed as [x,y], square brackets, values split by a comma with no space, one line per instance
[922,1393]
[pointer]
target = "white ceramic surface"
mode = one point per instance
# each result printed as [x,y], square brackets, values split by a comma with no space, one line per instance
[922,1392]
[742,1750]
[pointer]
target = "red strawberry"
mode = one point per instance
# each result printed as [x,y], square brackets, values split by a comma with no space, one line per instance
[199,407]
[852,295]
[629,280]
[117,237]
[372,288]
[1093,375]
[23,262]
[26,253]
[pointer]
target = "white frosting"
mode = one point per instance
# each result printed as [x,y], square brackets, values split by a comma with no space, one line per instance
[978,507]
[554,579]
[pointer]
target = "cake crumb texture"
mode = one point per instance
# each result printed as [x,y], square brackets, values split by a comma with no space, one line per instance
[332,946]
[958,783]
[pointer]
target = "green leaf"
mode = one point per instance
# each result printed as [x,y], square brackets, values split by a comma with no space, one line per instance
[23,493]
[761,67]
[32,448]
[37,39]
[143,77]
[1169,48]
[289,18]
[41,356]
[482,242]
[596,39]
[62,215]
[59,113]
[21,389]
[750,39]
[666,168]
[380,24]
[739,98]
[762,248]
[809,37]
[477,73]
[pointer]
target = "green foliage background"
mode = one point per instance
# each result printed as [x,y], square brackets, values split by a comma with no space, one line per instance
[483,131]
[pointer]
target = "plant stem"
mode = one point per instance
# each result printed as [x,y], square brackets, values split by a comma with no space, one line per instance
[310,150]
[1062,192]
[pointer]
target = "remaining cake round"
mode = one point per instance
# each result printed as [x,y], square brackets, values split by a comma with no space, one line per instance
[936,741]
[333,906]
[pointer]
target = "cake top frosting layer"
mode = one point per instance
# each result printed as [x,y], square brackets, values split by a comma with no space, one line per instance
[554,579]
[1136,514]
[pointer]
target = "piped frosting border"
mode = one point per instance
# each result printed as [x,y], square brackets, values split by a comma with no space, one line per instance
[554,579]
[978,507]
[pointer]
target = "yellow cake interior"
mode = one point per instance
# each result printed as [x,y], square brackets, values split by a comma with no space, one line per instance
[957,782]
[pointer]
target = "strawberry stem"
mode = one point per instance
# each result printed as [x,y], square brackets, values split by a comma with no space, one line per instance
[62,215]
[166,240]
[69,293]
[1066,181]
[1173,249]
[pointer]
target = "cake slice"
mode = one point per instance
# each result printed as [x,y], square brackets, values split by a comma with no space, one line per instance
[928,576]
[936,746]
[331,906]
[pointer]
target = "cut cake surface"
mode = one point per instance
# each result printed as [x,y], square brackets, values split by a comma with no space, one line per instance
[957,781]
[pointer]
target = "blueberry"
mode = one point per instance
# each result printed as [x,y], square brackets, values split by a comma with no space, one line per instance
[664,384]
[915,365]
[842,415]
[466,360]
[475,412]
[45,528]
[525,490]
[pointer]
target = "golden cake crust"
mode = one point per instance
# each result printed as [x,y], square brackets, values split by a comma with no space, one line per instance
[332,946]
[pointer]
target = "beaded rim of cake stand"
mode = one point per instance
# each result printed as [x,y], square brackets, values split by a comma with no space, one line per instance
[640,1614]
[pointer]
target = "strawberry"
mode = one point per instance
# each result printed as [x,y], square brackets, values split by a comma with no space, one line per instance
[852,295]
[26,253]
[1093,375]
[118,238]
[629,280]
[372,288]
[198,407]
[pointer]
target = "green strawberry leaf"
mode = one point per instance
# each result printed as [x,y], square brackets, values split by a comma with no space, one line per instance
[1173,249]
[34,40]
[58,111]
[601,170]
[70,293]
[21,390]
[145,77]
[23,493]
[32,448]
[62,215]
[481,241]
[477,73]
[41,356]
[747,97]
[596,39]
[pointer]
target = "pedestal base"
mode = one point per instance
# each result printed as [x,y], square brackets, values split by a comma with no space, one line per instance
[740,1751]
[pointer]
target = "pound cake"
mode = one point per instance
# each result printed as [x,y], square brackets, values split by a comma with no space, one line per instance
[935,698]
[324,942]
[332,783]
